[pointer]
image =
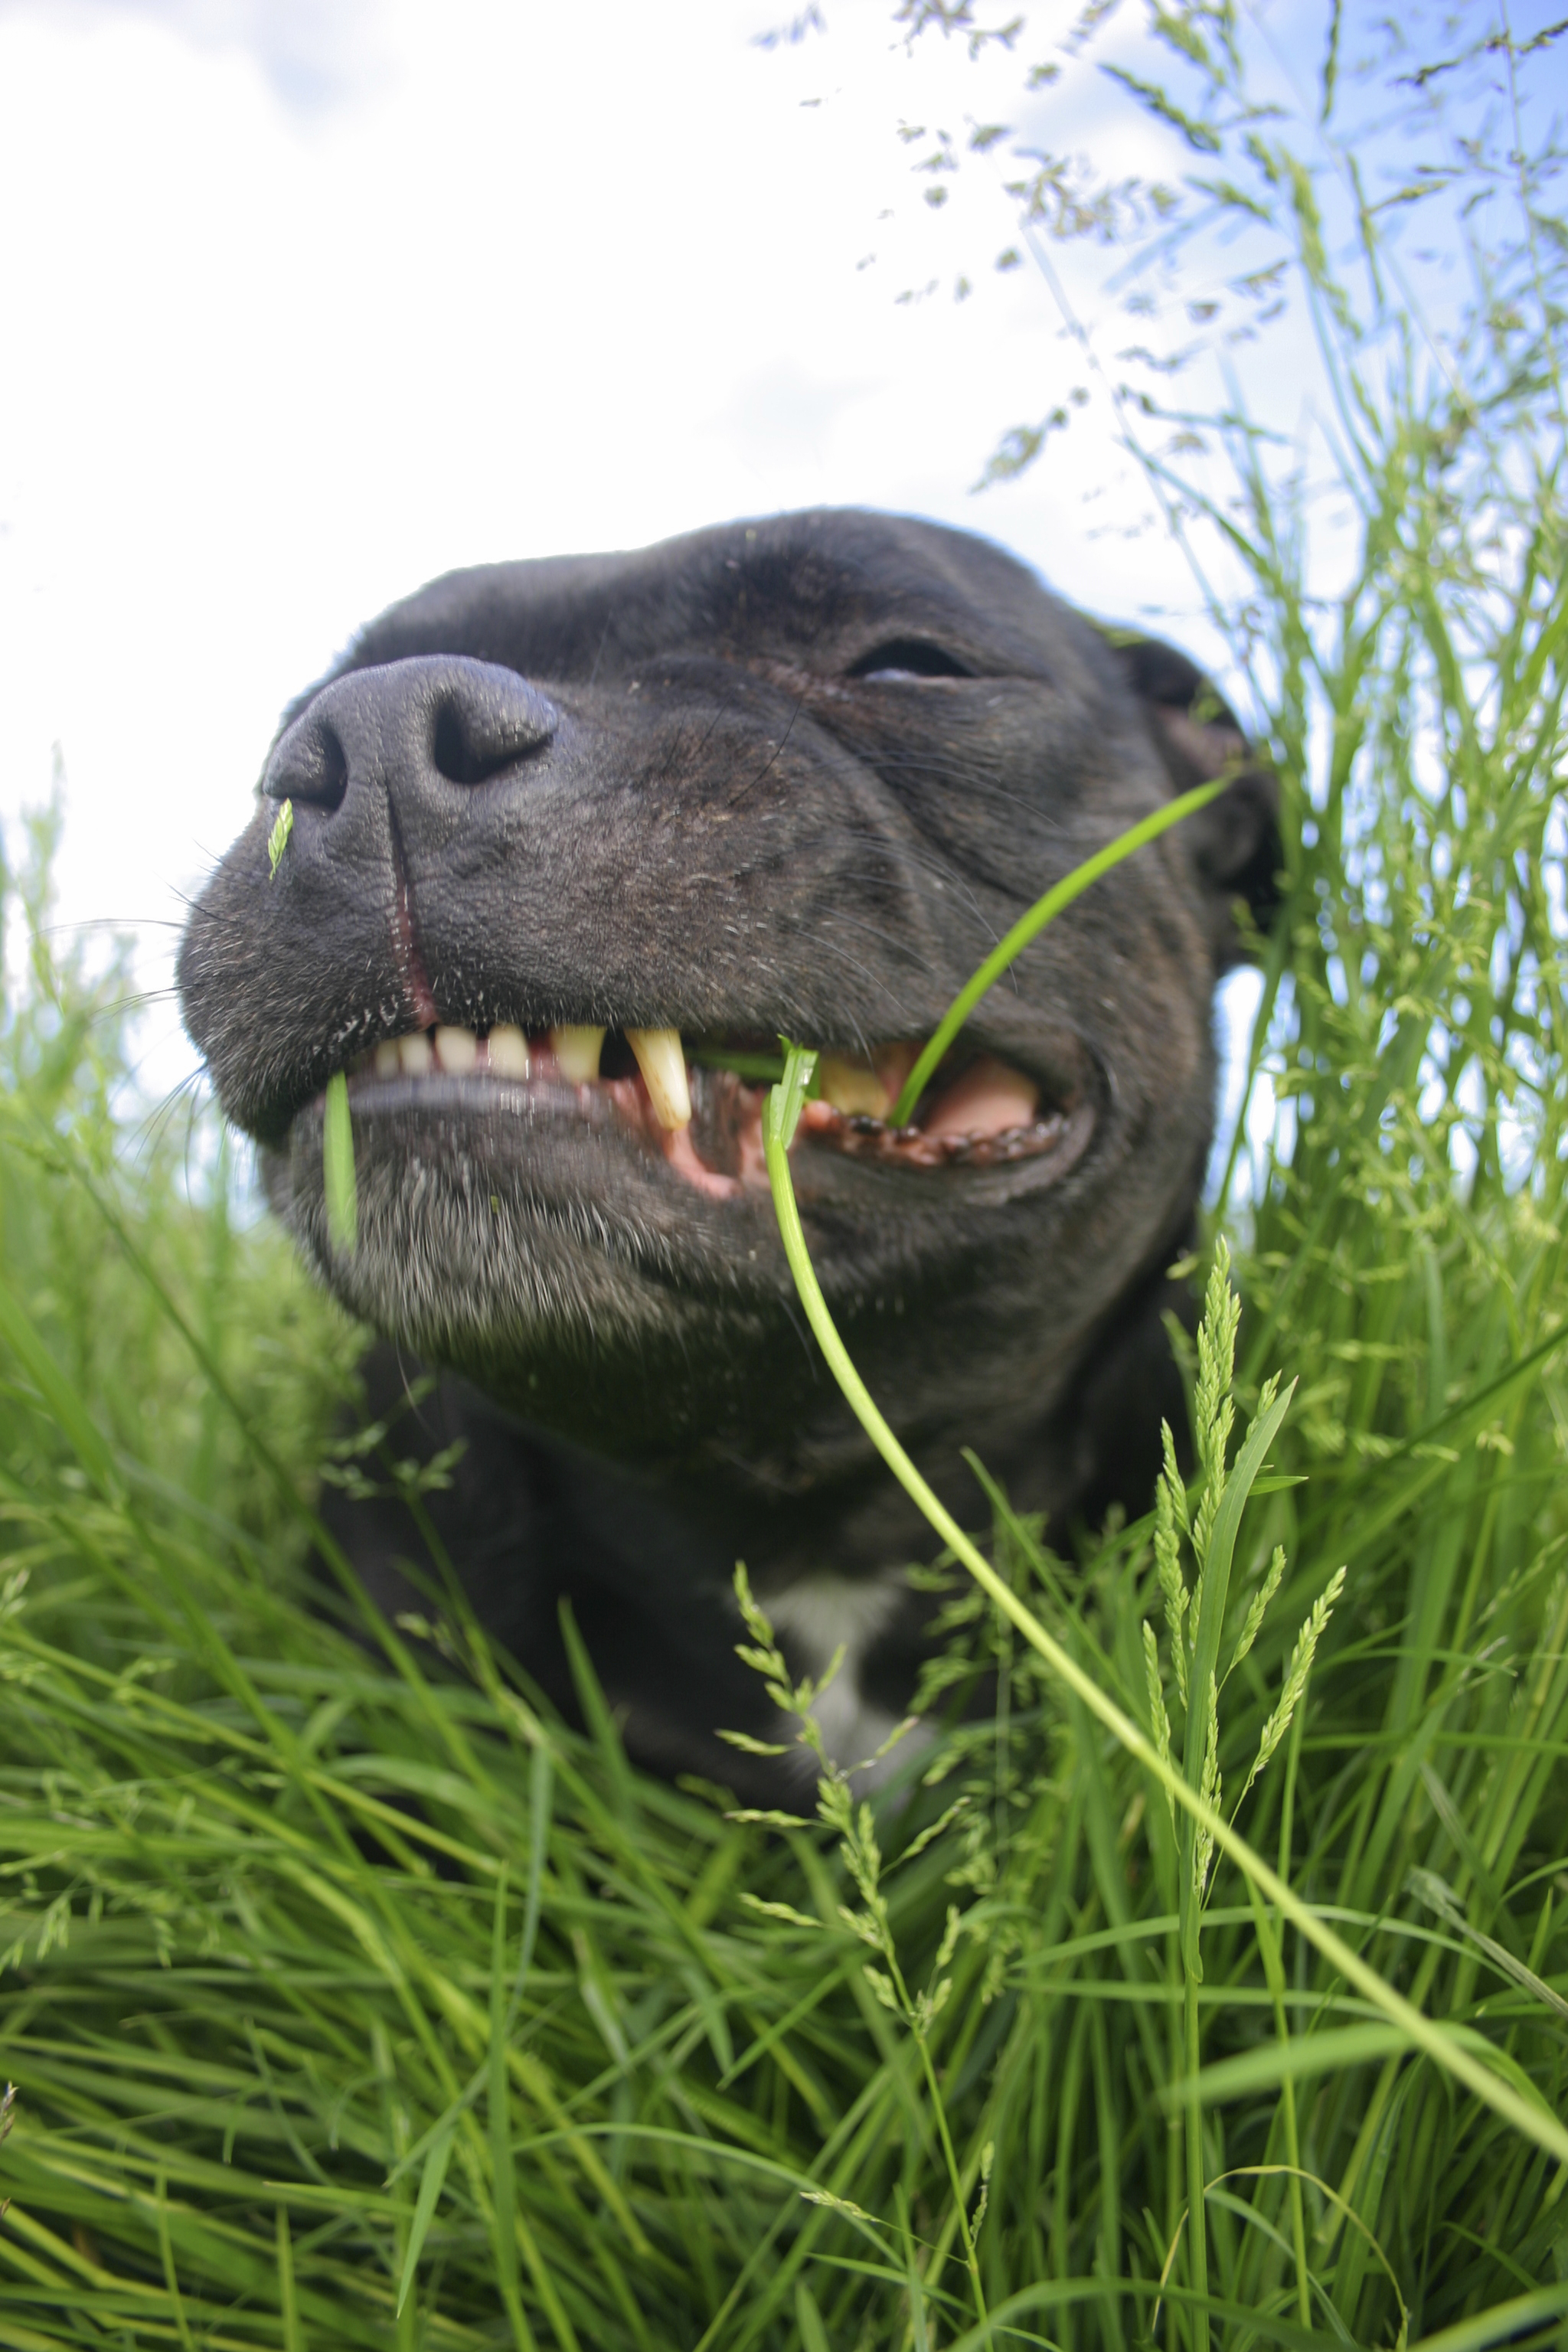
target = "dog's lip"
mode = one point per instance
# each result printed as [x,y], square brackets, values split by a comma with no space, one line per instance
[727,1128]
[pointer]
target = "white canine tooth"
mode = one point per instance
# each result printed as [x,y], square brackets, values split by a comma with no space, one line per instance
[457,1050]
[663,1065]
[576,1048]
[508,1051]
[416,1055]
[388,1061]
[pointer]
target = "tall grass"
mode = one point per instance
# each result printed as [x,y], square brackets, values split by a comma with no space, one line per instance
[352,2002]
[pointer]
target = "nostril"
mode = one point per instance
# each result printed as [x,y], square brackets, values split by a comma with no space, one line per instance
[310,764]
[457,757]
[486,726]
[332,771]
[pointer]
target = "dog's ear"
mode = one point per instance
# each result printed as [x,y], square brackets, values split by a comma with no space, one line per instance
[1235,841]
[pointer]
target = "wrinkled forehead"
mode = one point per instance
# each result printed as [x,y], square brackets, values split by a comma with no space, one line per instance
[817,589]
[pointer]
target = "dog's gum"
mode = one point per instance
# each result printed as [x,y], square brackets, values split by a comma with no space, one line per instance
[681,1154]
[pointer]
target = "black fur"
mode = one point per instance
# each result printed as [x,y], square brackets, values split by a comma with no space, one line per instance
[680,788]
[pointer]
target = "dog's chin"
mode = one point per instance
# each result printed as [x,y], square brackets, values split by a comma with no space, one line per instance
[555,1243]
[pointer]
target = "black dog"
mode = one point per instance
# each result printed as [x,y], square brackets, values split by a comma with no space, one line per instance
[566,835]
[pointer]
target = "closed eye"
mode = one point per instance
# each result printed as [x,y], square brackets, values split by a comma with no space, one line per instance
[903,657]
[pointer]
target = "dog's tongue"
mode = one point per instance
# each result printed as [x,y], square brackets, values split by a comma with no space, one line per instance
[987,1099]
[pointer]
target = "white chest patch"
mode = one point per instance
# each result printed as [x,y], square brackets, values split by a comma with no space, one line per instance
[814,1618]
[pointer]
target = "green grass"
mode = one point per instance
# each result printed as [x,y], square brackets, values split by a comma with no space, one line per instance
[352,2002]
[312,1955]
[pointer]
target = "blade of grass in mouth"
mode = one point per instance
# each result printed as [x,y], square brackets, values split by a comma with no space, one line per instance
[762,1069]
[768,1069]
[1030,927]
[337,1167]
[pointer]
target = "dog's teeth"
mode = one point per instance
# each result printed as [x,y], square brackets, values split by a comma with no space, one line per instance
[508,1051]
[576,1050]
[416,1055]
[457,1050]
[663,1065]
[852,1087]
[388,1060]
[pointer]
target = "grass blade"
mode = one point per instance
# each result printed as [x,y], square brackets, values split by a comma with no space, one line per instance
[430,2185]
[1028,929]
[338,1166]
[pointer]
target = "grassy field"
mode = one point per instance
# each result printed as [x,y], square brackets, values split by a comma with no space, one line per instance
[350,2002]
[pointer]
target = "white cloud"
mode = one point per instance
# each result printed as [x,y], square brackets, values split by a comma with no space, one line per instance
[314,53]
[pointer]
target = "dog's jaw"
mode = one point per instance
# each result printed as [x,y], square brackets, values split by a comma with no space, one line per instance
[588,1267]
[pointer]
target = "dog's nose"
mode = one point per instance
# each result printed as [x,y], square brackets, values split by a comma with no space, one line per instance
[419,725]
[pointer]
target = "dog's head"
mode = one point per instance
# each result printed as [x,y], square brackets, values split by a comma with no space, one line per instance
[797,776]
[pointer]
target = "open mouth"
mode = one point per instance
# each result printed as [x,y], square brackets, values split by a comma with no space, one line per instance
[699,1101]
